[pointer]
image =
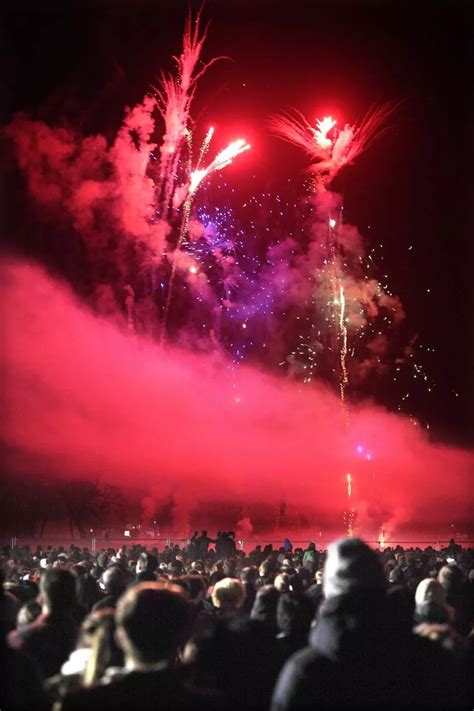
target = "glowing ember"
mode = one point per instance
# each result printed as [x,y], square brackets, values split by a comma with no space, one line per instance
[349,486]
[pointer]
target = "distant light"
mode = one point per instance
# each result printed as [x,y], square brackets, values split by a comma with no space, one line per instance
[332,222]
[193,270]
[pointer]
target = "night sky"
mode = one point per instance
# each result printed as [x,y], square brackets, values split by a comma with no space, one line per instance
[81,63]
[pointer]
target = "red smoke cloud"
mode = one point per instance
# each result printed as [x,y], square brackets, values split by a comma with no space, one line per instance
[84,398]
[104,189]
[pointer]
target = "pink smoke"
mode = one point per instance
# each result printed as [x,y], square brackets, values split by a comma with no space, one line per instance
[104,189]
[85,398]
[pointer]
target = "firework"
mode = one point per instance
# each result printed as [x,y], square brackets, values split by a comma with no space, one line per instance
[329,148]
[343,350]
[175,94]
[205,146]
[196,176]
[222,159]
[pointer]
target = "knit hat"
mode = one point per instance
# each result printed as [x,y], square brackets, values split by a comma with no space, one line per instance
[351,565]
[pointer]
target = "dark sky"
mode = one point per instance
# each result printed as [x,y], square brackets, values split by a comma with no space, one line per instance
[86,61]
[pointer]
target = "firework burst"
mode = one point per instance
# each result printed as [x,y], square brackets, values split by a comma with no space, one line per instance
[329,148]
[175,94]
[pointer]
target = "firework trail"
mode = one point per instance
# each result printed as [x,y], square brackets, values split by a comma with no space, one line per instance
[196,177]
[175,94]
[349,515]
[222,159]
[330,150]
[343,350]
[338,295]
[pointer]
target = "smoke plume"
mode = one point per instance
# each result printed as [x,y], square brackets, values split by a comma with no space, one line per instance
[86,398]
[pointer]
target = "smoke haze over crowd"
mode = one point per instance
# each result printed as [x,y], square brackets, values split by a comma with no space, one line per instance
[83,398]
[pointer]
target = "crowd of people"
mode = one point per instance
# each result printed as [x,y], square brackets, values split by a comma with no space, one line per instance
[209,626]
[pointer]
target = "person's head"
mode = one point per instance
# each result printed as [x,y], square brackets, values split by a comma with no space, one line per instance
[350,566]
[264,606]
[451,578]
[57,590]
[175,568]
[196,586]
[98,634]
[229,567]
[146,563]
[430,602]
[294,615]
[282,582]
[265,569]
[228,593]
[28,613]
[152,621]
[396,576]
[249,575]
[78,570]
[114,581]
[87,591]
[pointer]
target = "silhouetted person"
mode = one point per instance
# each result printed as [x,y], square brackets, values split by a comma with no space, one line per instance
[20,684]
[146,568]
[248,576]
[114,582]
[152,622]
[358,658]
[294,614]
[52,636]
[264,608]
[202,544]
[228,597]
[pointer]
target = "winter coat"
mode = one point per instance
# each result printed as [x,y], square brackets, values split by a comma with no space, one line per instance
[360,658]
